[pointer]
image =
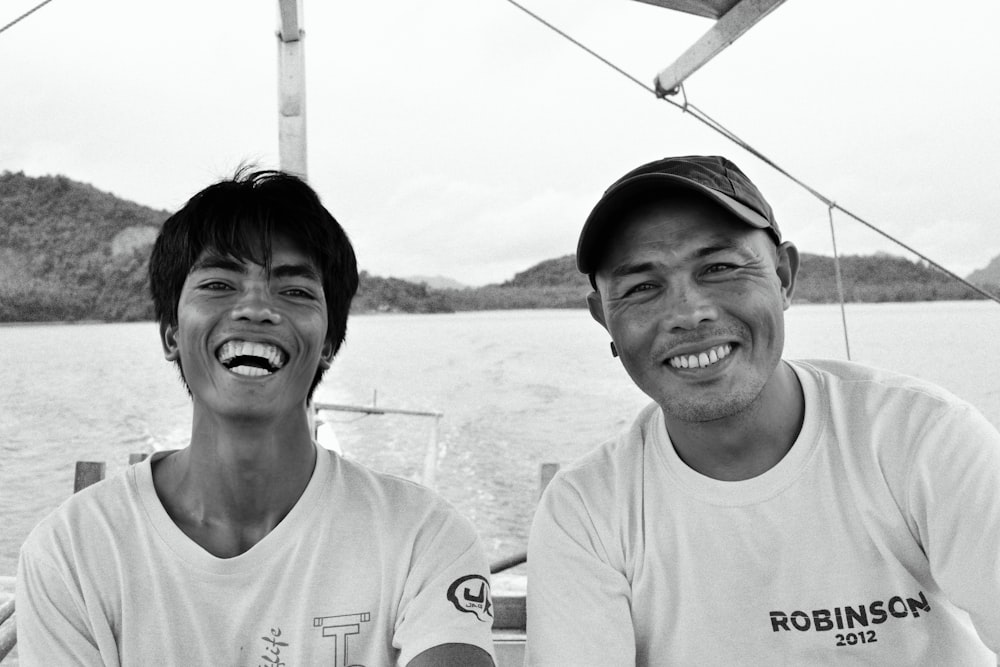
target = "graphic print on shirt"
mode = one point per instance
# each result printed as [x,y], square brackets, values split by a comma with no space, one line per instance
[855,618]
[272,648]
[340,627]
[471,595]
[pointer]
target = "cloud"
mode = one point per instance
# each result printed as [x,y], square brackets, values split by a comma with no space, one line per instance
[474,231]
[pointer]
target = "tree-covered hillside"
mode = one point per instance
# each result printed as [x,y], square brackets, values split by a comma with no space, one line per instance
[559,272]
[988,276]
[873,278]
[69,251]
[555,283]
[392,295]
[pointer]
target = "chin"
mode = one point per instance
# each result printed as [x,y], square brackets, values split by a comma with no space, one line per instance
[708,410]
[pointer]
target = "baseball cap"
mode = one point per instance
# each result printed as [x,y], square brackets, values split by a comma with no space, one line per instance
[715,177]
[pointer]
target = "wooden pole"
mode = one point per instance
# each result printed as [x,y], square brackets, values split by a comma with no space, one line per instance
[430,456]
[545,474]
[375,410]
[8,626]
[6,609]
[8,635]
[743,16]
[87,473]
[291,89]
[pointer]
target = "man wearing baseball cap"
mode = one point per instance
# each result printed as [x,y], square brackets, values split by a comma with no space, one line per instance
[759,511]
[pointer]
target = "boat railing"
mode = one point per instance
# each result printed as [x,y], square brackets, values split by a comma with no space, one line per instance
[8,629]
[428,478]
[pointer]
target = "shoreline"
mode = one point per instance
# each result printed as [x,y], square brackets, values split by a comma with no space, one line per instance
[795,302]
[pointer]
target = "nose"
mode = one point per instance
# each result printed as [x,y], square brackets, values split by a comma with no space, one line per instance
[688,307]
[255,305]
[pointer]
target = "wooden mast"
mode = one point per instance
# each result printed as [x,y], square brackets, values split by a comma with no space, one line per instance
[291,89]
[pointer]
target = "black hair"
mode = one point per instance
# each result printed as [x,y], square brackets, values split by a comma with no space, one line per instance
[238,218]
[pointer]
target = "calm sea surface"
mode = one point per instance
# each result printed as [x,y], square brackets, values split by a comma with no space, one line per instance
[517,389]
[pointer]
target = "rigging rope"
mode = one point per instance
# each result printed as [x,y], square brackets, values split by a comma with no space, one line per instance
[701,116]
[26,14]
[840,283]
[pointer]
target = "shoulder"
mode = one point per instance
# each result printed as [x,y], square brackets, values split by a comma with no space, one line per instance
[601,493]
[615,463]
[361,481]
[86,527]
[399,505]
[850,383]
[835,370]
[904,421]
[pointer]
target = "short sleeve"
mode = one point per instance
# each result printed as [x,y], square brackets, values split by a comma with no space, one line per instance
[578,602]
[446,597]
[954,500]
[52,625]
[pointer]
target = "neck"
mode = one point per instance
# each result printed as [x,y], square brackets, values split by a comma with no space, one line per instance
[237,480]
[749,443]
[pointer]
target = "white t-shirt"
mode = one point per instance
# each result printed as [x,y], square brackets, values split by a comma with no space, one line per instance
[863,545]
[366,569]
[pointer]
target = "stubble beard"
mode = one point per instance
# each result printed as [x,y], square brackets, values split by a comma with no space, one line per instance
[693,408]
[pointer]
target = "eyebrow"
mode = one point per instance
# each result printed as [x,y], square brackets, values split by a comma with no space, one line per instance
[627,269]
[296,271]
[219,262]
[720,246]
[302,270]
[630,268]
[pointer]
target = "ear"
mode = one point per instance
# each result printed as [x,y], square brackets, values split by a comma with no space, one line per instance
[326,354]
[788,268]
[596,308]
[168,339]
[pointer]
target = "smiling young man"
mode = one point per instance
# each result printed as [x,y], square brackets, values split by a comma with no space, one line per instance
[252,545]
[759,511]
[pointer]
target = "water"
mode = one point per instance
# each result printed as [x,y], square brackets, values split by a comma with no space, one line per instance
[517,388]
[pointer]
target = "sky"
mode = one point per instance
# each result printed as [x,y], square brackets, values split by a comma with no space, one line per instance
[461,138]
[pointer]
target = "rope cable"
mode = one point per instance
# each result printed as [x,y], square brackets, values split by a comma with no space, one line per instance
[840,283]
[711,123]
[26,14]
[553,28]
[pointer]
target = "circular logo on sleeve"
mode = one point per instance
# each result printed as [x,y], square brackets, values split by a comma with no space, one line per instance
[471,595]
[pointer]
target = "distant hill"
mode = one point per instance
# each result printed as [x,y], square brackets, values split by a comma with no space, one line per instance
[435,282]
[988,276]
[553,283]
[874,278]
[69,251]
[559,272]
[392,295]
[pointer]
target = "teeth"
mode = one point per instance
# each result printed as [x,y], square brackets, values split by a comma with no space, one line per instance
[251,371]
[241,348]
[702,359]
